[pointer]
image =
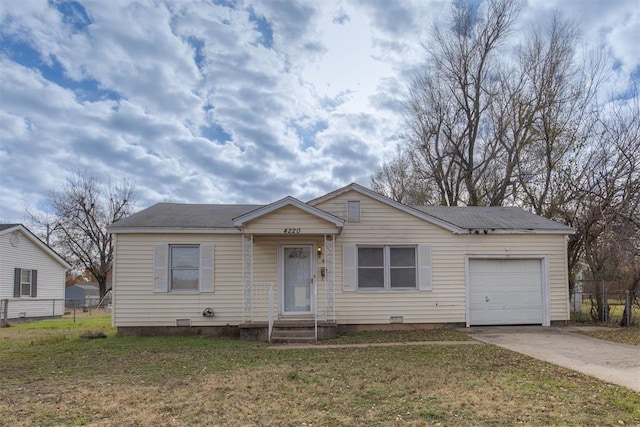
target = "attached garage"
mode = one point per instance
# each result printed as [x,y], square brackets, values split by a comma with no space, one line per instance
[507,291]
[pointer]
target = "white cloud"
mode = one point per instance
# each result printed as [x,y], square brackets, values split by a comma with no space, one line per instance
[203,102]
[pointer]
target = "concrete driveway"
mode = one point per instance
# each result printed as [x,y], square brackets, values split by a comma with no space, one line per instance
[608,361]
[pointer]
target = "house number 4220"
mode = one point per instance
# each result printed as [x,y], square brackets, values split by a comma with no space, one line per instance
[291,231]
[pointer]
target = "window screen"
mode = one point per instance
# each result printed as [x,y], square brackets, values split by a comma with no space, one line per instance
[371,267]
[387,267]
[185,267]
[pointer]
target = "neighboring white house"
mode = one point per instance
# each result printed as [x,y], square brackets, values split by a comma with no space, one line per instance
[351,258]
[32,275]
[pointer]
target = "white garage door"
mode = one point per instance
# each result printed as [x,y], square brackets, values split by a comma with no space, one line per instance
[505,291]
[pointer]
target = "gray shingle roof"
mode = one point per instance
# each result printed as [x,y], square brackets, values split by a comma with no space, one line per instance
[5,226]
[202,216]
[492,218]
[176,215]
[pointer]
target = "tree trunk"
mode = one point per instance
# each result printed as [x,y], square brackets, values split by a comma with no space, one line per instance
[102,286]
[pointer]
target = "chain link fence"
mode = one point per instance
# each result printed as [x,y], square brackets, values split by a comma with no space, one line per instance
[22,309]
[598,303]
[15,310]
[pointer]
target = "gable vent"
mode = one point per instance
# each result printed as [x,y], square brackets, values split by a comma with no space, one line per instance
[353,211]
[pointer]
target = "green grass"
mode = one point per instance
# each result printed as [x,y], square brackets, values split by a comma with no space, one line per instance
[414,335]
[54,330]
[101,321]
[201,381]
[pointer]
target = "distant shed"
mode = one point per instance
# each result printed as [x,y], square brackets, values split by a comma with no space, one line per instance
[83,294]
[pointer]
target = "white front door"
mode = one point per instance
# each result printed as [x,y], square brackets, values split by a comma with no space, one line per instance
[297,278]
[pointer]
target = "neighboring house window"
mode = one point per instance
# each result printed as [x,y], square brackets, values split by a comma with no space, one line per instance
[387,267]
[25,283]
[353,211]
[184,267]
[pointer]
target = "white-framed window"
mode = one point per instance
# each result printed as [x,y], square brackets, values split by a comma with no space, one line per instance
[183,267]
[25,283]
[387,267]
[402,265]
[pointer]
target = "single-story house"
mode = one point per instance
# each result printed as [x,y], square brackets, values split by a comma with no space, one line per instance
[349,259]
[32,275]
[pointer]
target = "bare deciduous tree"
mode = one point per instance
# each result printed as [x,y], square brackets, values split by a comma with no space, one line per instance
[561,114]
[449,107]
[77,223]
[607,217]
[397,180]
[492,126]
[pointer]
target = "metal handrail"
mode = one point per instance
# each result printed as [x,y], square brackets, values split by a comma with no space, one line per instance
[270,311]
[315,308]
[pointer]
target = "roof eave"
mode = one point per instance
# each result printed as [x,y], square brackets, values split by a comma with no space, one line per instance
[480,231]
[172,230]
[11,229]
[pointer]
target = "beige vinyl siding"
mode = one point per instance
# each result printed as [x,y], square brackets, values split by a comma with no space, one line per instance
[383,224]
[266,265]
[289,217]
[135,303]
[50,284]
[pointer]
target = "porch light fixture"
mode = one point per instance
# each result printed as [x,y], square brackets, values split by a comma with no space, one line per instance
[319,251]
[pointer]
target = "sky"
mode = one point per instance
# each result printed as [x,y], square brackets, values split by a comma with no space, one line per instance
[229,101]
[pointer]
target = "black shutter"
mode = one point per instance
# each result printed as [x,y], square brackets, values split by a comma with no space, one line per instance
[16,282]
[34,283]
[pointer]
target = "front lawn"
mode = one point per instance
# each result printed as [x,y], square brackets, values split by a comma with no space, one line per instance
[622,335]
[68,380]
[411,335]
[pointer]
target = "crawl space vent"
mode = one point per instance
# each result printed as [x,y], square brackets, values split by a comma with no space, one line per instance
[396,319]
[183,322]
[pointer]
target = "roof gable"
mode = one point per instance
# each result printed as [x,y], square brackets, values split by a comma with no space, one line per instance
[379,197]
[287,201]
[10,228]
[464,220]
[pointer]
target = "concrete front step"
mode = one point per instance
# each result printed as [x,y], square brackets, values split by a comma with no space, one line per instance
[293,323]
[293,335]
[293,332]
[289,330]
